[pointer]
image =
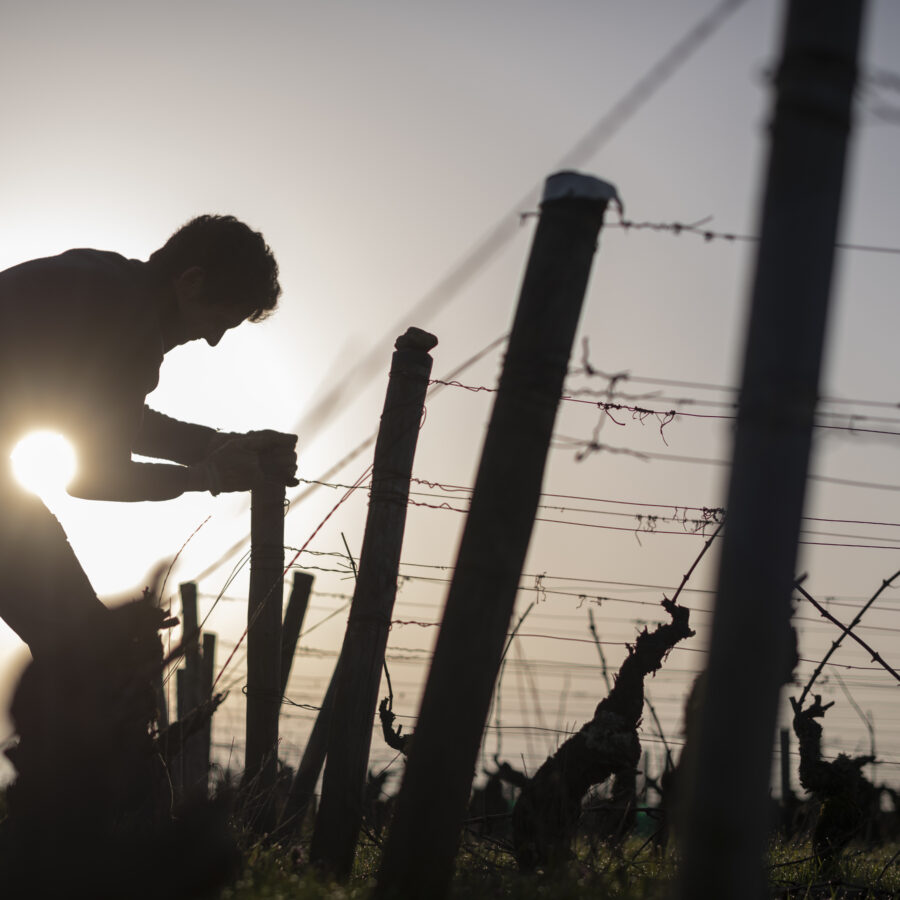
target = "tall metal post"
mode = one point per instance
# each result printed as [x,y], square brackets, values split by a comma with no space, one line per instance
[726,819]
[362,655]
[264,648]
[419,854]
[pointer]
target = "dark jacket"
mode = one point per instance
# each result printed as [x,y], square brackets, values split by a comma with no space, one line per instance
[81,343]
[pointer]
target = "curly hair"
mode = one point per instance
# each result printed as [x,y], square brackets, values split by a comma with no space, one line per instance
[239,265]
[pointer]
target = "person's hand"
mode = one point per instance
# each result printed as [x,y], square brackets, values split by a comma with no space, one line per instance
[230,467]
[275,452]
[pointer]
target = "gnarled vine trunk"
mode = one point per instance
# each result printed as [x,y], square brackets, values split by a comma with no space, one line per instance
[546,815]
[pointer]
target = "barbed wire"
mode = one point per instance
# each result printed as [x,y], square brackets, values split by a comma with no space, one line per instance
[420,655]
[502,233]
[582,597]
[871,86]
[528,582]
[608,643]
[586,448]
[556,617]
[646,737]
[649,524]
[664,417]
[708,235]
[287,568]
[850,602]
[884,111]
[591,371]
[853,419]
[679,512]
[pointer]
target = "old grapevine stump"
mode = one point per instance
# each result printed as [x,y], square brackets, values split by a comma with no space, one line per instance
[546,815]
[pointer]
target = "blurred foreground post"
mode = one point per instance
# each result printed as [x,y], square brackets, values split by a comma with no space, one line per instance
[419,855]
[362,654]
[264,651]
[725,823]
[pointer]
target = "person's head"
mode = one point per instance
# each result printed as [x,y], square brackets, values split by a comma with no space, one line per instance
[225,262]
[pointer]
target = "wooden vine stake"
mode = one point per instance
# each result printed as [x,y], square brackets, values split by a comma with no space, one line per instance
[293,623]
[362,655]
[264,652]
[194,757]
[302,791]
[419,854]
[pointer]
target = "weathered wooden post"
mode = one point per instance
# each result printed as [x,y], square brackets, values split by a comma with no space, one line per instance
[190,628]
[177,773]
[264,650]
[725,831]
[162,707]
[293,622]
[304,785]
[420,850]
[362,655]
[194,761]
[208,677]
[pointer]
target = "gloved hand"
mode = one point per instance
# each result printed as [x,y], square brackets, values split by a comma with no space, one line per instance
[277,454]
[230,467]
[238,462]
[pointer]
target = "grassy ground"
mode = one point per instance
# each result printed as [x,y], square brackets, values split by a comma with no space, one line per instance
[858,873]
[482,872]
[631,874]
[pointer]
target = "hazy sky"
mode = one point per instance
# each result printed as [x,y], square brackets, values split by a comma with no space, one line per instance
[375,145]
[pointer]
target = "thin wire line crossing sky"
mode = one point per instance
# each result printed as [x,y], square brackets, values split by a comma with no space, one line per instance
[489,247]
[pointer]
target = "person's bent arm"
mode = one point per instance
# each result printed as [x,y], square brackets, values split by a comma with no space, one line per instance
[134,482]
[236,465]
[163,437]
[227,463]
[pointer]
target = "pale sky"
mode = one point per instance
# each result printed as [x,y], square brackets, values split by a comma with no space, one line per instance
[375,145]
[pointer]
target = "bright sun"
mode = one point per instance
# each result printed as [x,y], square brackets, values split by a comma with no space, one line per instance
[44,462]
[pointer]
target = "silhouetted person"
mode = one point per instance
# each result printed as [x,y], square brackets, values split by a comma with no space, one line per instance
[82,337]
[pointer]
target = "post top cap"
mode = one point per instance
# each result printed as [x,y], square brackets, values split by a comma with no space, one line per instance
[416,339]
[568,184]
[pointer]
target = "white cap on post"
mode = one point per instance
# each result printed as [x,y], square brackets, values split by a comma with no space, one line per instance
[564,185]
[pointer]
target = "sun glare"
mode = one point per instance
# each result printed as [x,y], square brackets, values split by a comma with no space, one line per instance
[43,463]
